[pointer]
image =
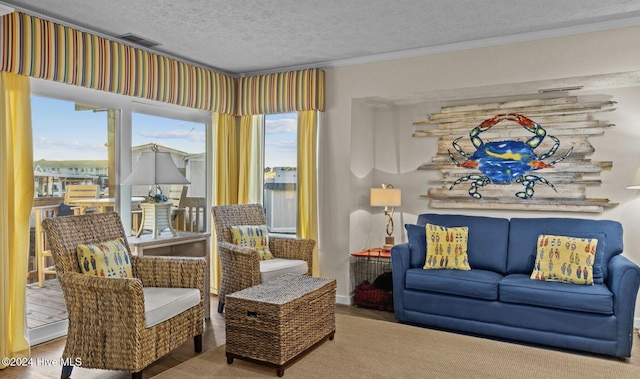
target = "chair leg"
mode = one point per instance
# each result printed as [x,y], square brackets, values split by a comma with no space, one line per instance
[220,307]
[136,375]
[197,343]
[66,372]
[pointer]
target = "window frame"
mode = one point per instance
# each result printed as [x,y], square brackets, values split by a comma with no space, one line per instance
[125,106]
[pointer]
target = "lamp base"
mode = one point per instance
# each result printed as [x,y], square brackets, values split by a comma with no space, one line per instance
[156,217]
[388,243]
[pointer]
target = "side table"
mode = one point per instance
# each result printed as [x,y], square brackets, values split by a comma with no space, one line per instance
[371,270]
[184,244]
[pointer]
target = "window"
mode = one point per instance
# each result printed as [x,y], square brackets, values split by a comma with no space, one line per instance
[280,172]
[185,142]
[68,139]
[71,145]
[76,127]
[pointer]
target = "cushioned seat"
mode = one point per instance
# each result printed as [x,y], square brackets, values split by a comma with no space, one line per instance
[520,289]
[161,304]
[480,284]
[273,268]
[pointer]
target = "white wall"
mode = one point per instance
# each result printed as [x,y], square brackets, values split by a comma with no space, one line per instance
[368,123]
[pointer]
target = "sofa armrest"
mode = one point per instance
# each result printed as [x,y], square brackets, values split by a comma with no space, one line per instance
[400,257]
[240,268]
[293,248]
[623,281]
[170,272]
[96,305]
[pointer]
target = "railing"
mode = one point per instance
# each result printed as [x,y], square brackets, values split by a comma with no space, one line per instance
[195,210]
[192,218]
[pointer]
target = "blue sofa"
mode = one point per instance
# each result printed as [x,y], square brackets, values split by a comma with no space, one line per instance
[497,298]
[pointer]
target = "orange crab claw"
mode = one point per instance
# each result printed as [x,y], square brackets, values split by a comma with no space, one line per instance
[469,164]
[539,164]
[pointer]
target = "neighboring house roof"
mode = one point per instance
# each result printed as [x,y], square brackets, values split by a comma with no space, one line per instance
[148,146]
[93,163]
[281,186]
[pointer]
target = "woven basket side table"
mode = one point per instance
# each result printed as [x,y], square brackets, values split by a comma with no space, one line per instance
[276,322]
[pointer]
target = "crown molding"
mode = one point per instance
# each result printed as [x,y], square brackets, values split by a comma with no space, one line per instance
[467,45]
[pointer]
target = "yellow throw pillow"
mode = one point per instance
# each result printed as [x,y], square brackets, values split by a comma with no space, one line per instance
[253,236]
[109,259]
[446,248]
[565,259]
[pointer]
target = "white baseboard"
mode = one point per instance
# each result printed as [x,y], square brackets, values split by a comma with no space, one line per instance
[344,300]
[48,332]
[636,323]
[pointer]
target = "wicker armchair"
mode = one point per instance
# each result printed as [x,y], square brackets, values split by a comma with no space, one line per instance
[241,265]
[107,315]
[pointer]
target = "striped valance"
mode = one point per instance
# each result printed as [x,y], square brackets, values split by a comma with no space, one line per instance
[46,50]
[281,92]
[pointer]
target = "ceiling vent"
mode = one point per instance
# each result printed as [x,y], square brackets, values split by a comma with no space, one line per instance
[137,40]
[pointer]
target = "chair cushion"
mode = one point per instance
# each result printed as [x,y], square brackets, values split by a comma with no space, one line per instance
[520,289]
[109,259]
[479,284]
[565,259]
[272,268]
[160,304]
[446,248]
[253,236]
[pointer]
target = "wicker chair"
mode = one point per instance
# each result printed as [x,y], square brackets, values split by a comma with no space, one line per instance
[241,265]
[107,315]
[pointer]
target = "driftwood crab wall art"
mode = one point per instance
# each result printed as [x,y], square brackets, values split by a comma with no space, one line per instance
[492,155]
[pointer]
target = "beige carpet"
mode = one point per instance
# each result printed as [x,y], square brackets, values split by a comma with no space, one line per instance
[365,348]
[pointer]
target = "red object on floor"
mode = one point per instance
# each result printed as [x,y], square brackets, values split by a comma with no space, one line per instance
[369,296]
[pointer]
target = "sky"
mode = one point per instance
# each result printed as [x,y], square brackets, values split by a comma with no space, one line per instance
[62,133]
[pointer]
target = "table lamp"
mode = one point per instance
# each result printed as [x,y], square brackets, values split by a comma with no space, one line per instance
[386,197]
[155,168]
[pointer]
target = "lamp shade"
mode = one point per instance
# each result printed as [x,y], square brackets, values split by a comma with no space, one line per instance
[635,182]
[155,168]
[385,197]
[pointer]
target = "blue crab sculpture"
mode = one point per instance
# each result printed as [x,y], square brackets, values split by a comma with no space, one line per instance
[506,161]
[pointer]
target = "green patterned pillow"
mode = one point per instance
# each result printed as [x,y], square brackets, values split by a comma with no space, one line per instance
[253,236]
[109,259]
[446,248]
[565,259]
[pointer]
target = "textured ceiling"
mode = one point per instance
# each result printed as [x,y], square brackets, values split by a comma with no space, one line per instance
[247,37]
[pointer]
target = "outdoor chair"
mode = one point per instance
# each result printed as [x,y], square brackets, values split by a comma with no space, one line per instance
[241,265]
[123,323]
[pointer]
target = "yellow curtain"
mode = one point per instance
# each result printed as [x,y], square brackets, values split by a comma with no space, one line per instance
[225,179]
[250,170]
[307,220]
[237,170]
[16,200]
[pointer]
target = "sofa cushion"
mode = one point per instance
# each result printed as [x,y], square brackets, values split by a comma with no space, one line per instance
[487,243]
[272,268]
[446,248]
[520,289]
[480,284]
[565,259]
[524,232]
[417,238]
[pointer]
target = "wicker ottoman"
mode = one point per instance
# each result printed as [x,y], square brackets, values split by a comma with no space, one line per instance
[275,322]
